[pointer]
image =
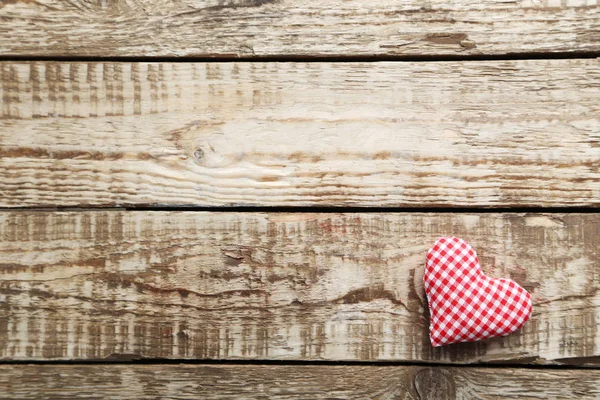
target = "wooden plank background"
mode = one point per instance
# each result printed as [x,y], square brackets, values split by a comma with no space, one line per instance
[300,286]
[491,134]
[297,28]
[65,382]
[139,105]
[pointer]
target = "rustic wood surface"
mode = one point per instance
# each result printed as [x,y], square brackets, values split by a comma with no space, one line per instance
[66,382]
[494,134]
[297,28]
[300,286]
[121,286]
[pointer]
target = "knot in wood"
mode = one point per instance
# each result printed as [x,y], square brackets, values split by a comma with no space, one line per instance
[434,384]
[198,154]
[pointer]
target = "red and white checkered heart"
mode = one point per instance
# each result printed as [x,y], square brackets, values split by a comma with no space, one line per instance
[464,303]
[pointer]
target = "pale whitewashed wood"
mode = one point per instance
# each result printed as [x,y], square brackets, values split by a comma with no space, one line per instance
[301,286]
[494,134]
[297,28]
[66,382]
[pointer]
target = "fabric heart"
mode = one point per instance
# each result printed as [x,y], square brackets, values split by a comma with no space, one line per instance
[465,304]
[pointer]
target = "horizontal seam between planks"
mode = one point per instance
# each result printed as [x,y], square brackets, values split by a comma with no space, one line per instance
[317,58]
[318,209]
[158,361]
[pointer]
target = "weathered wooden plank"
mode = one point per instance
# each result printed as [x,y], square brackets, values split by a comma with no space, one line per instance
[188,285]
[250,28]
[493,134]
[24,382]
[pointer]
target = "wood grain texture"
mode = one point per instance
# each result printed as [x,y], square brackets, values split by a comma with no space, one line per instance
[493,134]
[196,285]
[250,28]
[66,382]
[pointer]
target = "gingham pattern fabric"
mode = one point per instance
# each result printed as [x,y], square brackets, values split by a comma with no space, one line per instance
[466,305]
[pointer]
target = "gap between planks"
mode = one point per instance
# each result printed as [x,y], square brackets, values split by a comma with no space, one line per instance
[136,360]
[320,210]
[315,59]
